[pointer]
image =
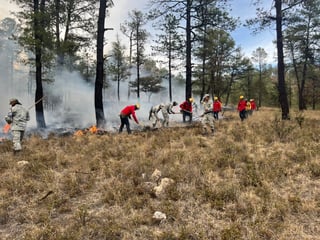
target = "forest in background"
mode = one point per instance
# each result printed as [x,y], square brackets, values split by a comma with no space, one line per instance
[194,51]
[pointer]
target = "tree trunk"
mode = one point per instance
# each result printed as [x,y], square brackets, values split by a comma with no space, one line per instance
[260,86]
[138,62]
[188,52]
[203,66]
[229,88]
[118,87]
[98,101]
[130,49]
[66,34]
[249,85]
[283,98]
[57,33]
[302,103]
[170,73]
[138,78]
[38,26]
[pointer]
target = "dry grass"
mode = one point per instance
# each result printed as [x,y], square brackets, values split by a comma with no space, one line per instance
[258,179]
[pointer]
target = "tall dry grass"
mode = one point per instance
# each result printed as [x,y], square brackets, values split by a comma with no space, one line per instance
[257,179]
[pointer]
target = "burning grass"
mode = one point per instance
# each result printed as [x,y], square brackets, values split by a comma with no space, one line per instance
[257,179]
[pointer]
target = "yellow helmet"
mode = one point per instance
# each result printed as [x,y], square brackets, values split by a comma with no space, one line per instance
[191,99]
[137,105]
[241,97]
[215,98]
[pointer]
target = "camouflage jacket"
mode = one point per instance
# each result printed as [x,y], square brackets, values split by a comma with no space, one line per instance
[167,108]
[19,117]
[207,107]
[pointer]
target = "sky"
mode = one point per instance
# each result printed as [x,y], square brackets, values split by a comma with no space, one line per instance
[244,37]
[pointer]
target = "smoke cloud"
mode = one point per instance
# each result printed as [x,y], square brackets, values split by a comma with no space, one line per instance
[69,99]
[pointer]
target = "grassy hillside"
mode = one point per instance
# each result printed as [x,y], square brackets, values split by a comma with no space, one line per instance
[258,179]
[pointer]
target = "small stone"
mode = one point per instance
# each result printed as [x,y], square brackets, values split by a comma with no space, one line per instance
[159,216]
[22,163]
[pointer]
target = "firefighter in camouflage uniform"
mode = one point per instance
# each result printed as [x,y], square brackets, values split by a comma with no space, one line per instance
[17,117]
[166,110]
[207,116]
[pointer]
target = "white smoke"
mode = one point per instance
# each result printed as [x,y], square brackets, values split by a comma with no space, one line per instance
[69,99]
[14,76]
[127,97]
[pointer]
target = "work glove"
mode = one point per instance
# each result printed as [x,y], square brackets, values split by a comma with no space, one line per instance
[8,119]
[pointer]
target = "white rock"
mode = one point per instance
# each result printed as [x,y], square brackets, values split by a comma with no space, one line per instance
[22,163]
[159,216]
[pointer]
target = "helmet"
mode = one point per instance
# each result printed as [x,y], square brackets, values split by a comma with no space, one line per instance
[251,100]
[174,103]
[191,99]
[137,105]
[14,101]
[241,97]
[215,98]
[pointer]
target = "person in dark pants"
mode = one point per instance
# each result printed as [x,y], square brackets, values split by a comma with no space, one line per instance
[242,108]
[125,115]
[186,109]
[217,106]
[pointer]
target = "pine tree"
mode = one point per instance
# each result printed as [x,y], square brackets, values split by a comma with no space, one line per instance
[117,66]
[138,36]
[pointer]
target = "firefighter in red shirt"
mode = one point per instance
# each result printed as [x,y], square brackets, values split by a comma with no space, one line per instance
[186,109]
[216,108]
[242,108]
[125,114]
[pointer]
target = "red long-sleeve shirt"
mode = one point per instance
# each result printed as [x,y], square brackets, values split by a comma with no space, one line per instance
[242,105]
[217,106]
[253,105]
[186,106]
[130,110]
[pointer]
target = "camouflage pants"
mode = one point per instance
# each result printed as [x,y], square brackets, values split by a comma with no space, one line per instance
[154,119]
[208,123]
[17,138]
[165,122]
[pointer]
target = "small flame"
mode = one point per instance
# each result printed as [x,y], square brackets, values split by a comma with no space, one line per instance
[78,133]
[6,128]
[93,129]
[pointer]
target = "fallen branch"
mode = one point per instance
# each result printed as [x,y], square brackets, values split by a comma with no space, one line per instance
[45,196]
